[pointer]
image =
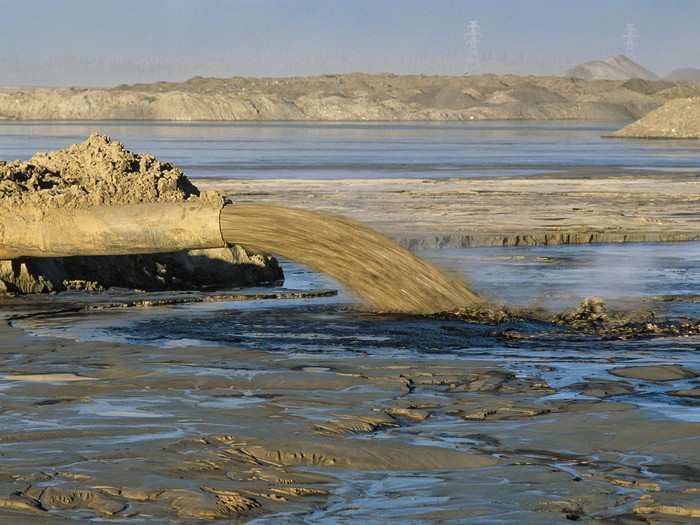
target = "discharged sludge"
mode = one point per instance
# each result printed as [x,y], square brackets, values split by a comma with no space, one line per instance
[385,275]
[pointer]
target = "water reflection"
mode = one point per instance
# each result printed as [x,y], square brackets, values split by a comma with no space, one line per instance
[362,150]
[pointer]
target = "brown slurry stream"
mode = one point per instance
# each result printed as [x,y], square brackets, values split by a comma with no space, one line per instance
[385,275]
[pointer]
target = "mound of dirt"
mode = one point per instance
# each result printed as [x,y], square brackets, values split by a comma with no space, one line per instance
[676,119]
[97,172]
[102,172]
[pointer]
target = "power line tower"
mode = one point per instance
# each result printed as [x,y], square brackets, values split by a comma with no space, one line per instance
[473,41]
[630,36]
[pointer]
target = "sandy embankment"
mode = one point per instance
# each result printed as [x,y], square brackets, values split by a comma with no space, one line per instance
[573,206]
[356,97]
[677,119]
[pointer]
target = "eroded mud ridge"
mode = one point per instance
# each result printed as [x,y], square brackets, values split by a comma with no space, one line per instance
[385,275]
[102,172]
[591,317]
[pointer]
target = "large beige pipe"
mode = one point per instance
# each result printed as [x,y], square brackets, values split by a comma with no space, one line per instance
[385,275]
[117,230]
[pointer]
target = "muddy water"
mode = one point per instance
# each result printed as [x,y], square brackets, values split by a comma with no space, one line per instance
[395,417]
[384,275]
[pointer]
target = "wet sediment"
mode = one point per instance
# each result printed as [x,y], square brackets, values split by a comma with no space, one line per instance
[153,435]
[570,206]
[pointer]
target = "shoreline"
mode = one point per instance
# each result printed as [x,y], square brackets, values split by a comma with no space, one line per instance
[573,206]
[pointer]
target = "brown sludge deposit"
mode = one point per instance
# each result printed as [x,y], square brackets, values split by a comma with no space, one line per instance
[572,206]
[222,433]
[180,436]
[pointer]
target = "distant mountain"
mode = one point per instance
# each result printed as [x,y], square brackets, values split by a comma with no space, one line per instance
[614,68]
[686,74]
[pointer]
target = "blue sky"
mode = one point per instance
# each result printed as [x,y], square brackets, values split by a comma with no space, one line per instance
[60,42]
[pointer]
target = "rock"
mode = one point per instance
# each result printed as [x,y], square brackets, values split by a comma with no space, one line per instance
[603,388]
[100,171]
[655,372]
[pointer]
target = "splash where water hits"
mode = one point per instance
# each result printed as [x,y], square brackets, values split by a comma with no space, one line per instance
[555,278]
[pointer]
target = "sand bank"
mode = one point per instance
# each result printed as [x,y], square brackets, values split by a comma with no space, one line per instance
[578,205]
[676,119]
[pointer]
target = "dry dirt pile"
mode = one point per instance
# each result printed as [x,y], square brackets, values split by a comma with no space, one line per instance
[93,173]
[102,172]
[677,119]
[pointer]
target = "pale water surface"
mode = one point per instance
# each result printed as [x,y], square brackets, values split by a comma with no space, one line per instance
[343,150]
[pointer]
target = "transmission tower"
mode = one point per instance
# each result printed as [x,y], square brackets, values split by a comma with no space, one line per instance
[473,41]
[630,37]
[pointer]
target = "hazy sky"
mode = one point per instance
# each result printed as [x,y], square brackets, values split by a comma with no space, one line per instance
[103,42]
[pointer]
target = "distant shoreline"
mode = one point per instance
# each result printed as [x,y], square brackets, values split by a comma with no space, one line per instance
[574,206]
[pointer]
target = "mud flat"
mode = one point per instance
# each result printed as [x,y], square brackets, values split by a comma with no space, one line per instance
[355,97]
[196,435]
[578,205]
